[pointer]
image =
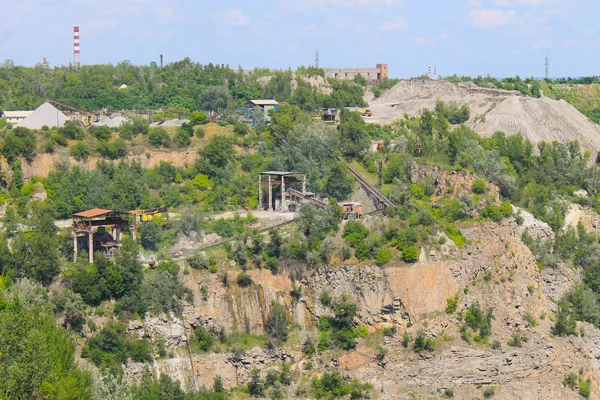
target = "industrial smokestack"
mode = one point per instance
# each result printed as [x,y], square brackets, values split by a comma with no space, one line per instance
[76,60]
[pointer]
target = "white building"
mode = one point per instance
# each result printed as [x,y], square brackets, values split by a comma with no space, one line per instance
[14,117]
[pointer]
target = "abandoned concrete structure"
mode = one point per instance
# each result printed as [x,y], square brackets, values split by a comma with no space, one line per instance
[90,231]
[372,75]
[278,200]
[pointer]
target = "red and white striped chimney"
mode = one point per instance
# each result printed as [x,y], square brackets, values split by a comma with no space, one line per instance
[77,60]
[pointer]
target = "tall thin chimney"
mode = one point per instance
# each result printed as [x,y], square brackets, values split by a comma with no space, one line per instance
[76,60]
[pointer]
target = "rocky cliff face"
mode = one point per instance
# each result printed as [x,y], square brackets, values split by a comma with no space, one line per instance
[495,268]
[447,182]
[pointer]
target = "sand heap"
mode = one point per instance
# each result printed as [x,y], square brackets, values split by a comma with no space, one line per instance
[491,110]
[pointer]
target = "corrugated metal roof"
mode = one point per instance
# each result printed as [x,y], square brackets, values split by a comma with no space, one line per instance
[16,114]
[94,212]
[264,102]
[280,173]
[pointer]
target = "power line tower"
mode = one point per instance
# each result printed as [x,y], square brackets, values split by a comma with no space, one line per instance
[317,60]
[547,67]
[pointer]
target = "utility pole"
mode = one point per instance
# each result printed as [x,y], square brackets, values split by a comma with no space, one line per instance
[547,67]
[317,60]
[161,61]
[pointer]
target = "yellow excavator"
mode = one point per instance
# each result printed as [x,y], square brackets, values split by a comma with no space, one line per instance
[365,112]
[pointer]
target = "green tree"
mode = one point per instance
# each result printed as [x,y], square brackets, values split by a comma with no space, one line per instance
[198,118]
[278,323]
[71,130]
[214,98]
[353,133]
[338,184]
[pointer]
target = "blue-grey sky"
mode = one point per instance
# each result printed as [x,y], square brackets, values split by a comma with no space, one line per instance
[466,37]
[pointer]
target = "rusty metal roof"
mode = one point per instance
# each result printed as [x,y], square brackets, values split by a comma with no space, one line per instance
[94,212]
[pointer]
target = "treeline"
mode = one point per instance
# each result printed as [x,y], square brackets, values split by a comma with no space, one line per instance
[183,85]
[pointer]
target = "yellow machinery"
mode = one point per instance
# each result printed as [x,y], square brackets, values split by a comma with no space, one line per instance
[365,112]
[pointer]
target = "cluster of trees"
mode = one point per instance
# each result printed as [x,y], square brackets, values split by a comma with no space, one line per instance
[181,85]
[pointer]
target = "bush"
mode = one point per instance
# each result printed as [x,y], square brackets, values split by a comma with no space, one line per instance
[570,381]
[455,234]
[198,261]
[140,350]
[159,137]
[203,339]
[20,142]
[516,340]
[100,132]
[410,254]
[71,130]
[278,323]
[489,392]
[80,150]
[585,388]
[423,343]
[383,256]
[113,150]
[240,128]
[198,118]
[451,304]
[479,187]
[244,280]
[150,235]
[333,386]
[477,319]
[530,319]
[200,133]
[182,139]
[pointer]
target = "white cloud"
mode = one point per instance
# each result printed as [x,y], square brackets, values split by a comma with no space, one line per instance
[398,23]
[422,41]
[164,12]
[475,3]
[530,3]
[236,17]
[491,18]
[444,35]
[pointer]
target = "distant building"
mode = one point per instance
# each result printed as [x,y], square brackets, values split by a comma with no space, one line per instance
[376,145]
[265,105]
[14,117]
[372,75]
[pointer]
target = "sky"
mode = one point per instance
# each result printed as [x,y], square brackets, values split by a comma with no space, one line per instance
[466,37]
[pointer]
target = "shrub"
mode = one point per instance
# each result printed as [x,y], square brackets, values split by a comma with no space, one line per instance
[203,339]
[423,343]
[410,254]
[570,381]
[200,133]
[140,350]
[333,386]
[182,139]
[71,130]
[383,256]
[489,392]
[240,128]
[244,280]
[325,299]
[479,187]
[159,137]
[585,388]
[455,234]
[451,304]
[20,142]
[530,319]
[477,319]
[496,345]
[389,332]
[198,261]
[80,150]
[516,340]
[114,149]
[278,323]
[100,132]
[198,118]
[406,339]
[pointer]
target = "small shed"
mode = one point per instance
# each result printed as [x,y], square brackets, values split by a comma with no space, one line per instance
[265,105]
[351,209]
